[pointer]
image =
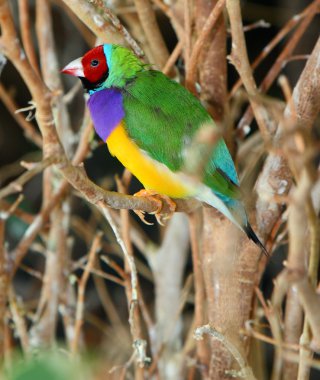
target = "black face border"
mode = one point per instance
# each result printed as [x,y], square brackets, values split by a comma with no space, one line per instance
[91,86]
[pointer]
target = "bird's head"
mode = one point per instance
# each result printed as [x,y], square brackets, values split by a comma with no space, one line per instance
[105,66]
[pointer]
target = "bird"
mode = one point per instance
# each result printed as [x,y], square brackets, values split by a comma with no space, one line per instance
[149,122]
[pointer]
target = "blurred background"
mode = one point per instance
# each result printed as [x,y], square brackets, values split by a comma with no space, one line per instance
[105,339]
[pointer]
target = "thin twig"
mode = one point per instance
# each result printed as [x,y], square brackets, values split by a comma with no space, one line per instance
[19,321]
[129,259]
[173,57]
[17,185]
[4,283]
[106,276]
[106,300]
[187,16]
[279,36]
[278,65]
[275,325]
[96,245]
[12,107]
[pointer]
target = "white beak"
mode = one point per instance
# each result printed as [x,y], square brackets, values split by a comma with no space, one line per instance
[74,68]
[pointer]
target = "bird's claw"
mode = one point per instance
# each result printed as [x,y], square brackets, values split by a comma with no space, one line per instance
[141,215]
[160,199]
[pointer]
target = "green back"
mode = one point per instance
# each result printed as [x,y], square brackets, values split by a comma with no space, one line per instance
[162,117]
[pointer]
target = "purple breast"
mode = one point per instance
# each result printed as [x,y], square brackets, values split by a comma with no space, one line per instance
[106,111]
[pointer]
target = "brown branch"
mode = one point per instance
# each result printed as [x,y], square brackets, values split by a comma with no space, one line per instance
[96,245]
[276,177]
[152,32]
[173,57]
[170,13]
[19,321]
[3,284]
[26,35]
[272,315]
[85,137]
[311,304]
[188,27]
[249,330]
[168,266]
[229,266]
[94,194]
[106,276]
[43,331]
[24,216]
[256,25]
[314,257]
[292,330]
[17,185]
[141,242]
[212,62]
[295,20]
[301,208]
[51,73]
[196,226]
[10,46]
[12,107]
[105,297]
[200,42]
[245,370]
[112,264]
[239,58]
[138,344]
[135,317]
[278,65]
[89,15]
[117,24]
[35,227]
[86,33]
[129,258]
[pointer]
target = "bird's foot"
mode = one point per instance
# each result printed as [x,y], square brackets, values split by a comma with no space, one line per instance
[165,210]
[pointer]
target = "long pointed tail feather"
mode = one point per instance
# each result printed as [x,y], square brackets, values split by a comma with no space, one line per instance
[251,235]
[235,212]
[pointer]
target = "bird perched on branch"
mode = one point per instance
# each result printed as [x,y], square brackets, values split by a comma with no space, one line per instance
[149,123]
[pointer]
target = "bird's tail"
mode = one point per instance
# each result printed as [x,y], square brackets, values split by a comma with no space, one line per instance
[252,236]
[233,210]
[240,216]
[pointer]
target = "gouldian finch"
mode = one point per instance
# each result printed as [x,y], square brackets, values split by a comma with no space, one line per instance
[148,122]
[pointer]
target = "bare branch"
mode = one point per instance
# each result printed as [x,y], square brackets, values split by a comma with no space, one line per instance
[96,246]
[150,26]
[245,370]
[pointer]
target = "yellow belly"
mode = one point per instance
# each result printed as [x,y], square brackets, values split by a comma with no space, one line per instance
[152,174]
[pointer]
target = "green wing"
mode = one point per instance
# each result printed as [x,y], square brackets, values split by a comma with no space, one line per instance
[162,117]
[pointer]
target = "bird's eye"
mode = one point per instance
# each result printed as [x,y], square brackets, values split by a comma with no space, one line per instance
[94,63]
